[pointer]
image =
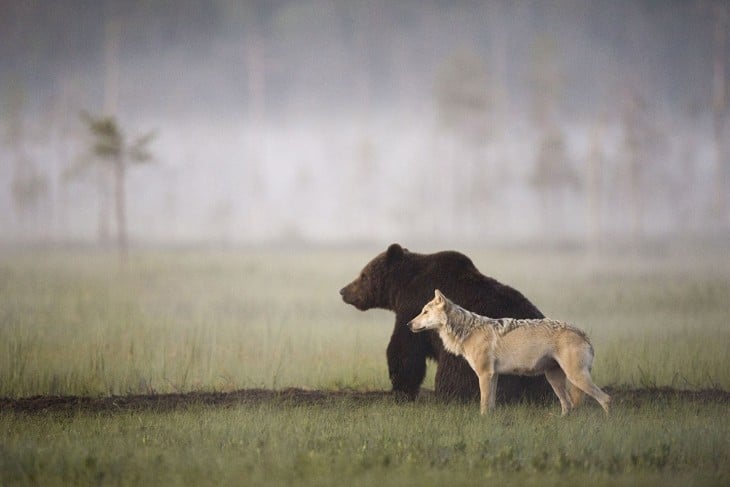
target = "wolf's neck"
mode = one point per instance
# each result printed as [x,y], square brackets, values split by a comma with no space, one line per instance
[460,324]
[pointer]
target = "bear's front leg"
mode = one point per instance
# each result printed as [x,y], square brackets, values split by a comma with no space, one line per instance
[455,379]
[406,355]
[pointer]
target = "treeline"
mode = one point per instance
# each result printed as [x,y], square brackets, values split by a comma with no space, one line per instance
[384,52]
[573,119]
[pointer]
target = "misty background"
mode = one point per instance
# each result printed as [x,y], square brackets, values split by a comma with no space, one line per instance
[344,121]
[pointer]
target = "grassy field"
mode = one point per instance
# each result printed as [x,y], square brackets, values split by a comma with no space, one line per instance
[77,324]
[367,444]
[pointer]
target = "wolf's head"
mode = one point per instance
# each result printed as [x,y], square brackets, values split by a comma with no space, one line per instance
[433,316]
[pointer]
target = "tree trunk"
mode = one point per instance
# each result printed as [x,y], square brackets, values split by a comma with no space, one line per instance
[633,145]
[121,210]
[255,60]
[718,109]
[595,187]
[112,37]
[102,185]
[636,200]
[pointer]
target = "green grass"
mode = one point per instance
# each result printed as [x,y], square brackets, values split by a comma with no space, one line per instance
[193,320]
[378,443]
[74,324]
[183,322]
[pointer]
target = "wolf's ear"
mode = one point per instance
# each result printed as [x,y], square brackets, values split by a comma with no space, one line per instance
[394,253]
[439,297]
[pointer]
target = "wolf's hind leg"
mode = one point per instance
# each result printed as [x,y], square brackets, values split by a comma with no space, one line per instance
[582,380]
[557,380]
[575,394]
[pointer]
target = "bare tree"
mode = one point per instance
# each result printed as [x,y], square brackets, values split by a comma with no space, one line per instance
[635,130]
[464,104]
[595,180]
[645,159]
[111,45]
[110,147]
[719,106]
[29,187]
[553,175]
[30,192]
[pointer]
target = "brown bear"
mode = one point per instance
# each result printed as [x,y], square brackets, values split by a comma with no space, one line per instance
[403,282]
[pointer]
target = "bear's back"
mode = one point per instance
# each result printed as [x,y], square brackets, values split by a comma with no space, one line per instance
[456,276]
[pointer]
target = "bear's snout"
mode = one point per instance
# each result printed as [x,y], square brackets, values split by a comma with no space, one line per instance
[350,296]
[345,293]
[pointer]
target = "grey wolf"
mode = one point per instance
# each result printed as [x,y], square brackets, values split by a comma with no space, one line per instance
[555,349]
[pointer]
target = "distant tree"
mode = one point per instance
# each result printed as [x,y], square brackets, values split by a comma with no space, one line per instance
[464,109]
[221,217]
[29,187]
[462,97]
[635,135]
[546,81]
[719,106]
[554,178]
[644,157]
[361,183]
[29,190]
[110,146]
[553,175]
[112,44]
[112,41]
[246,19]
[596,161]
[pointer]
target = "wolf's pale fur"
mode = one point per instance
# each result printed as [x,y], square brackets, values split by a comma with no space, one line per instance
[521,347]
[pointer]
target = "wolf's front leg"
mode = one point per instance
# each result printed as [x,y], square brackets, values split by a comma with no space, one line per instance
[493,395]
[488,388]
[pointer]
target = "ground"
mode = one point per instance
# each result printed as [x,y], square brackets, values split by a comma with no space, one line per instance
[621,397]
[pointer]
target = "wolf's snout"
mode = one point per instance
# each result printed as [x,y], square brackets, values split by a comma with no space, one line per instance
[342,292]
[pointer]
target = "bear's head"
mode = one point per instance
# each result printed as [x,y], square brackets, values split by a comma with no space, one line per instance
[371,289]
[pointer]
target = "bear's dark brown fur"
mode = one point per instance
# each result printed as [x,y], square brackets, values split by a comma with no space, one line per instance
[403,281]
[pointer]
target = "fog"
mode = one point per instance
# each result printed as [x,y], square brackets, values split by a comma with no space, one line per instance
[340,121]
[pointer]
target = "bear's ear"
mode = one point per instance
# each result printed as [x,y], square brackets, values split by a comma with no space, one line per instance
[394,253]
